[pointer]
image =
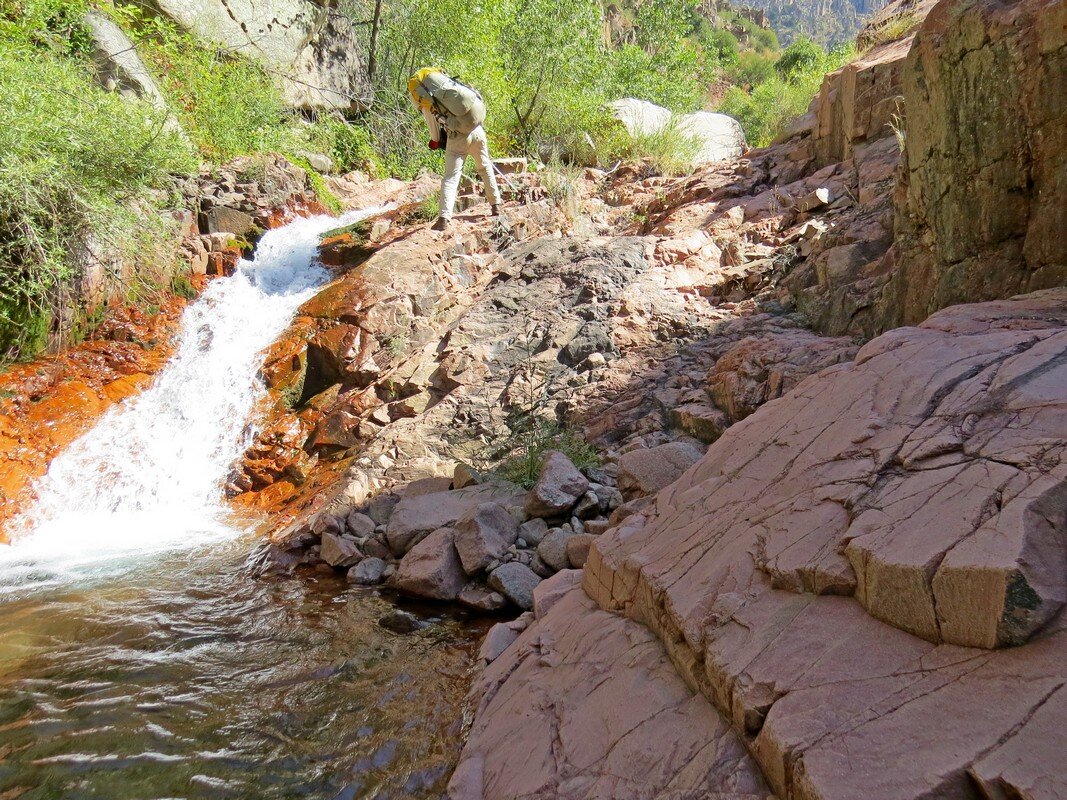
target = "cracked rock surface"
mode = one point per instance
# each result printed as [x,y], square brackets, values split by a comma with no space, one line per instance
[835,573]
[571,709]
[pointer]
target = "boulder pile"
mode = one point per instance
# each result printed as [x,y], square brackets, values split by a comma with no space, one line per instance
[480,542]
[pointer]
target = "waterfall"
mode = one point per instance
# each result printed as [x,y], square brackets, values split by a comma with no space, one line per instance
[148,477]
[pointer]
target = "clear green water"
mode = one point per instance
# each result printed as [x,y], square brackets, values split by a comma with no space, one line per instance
[189,678]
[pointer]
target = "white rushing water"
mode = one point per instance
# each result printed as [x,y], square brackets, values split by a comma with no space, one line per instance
[149,477]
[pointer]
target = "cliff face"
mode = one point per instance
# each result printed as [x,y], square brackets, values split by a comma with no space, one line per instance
[981,210]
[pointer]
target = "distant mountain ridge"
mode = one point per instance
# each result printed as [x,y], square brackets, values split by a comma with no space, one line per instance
[827,22]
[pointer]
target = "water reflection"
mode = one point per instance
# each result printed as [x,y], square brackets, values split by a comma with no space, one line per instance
[194,680]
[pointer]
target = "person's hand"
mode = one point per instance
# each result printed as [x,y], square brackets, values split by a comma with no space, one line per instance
[434,144]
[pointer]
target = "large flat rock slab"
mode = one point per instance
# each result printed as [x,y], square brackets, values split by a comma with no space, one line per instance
[584,704]
[838,572]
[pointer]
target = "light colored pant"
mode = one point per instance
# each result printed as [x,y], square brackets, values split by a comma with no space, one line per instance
[456,151]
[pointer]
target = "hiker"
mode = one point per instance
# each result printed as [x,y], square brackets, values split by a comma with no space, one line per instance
[454,113]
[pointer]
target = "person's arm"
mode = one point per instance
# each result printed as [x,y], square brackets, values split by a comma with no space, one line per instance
[435,128]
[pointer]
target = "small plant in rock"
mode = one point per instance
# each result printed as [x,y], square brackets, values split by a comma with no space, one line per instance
[535,438]
[395,344]
[429,209]
[890,31]
[560,182]
[181,286]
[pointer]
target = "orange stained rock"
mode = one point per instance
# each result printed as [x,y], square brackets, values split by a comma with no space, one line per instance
[47,403]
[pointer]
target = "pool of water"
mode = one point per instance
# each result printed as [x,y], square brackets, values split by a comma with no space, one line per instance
[189,677]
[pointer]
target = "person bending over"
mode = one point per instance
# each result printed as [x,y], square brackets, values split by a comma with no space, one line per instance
[454,113]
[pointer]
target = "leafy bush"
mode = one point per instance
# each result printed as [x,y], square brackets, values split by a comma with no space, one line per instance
[774,102]
[532,444]
[752,68]
[75,162]
[803,55]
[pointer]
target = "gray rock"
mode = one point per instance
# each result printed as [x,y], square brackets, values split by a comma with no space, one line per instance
[359,524]
[558,487]
[485,532]
[229,220]
[317,161]
[367,572]
[376,547]
[477,596]
[415,517]
[118,66]
[553,548]
[592,337]
[719,136]
[432,568]
[540,567]
[499,639]
[516,582]
[339,551]
[380,508]
[327,523]
[533,531]
[588,506]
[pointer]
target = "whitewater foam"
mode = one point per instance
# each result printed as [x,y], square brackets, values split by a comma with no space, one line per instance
[149,476]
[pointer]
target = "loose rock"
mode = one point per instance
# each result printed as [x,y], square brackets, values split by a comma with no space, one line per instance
[516,582]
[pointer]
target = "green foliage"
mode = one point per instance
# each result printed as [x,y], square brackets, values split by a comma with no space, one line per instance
[803,55]
[751,69]
[765,110]
[430,208]
[75,162]
[322,191]
[533,441]
[181,286]
[719,43]
[668,151]
[543,67]
[229,106]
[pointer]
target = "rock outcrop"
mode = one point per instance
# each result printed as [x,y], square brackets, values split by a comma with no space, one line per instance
[311,46]
[983,202]
[573,706]
[118,66]
[831,576]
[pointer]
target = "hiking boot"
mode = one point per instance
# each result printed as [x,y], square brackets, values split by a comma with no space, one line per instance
[496,210]
[442,224]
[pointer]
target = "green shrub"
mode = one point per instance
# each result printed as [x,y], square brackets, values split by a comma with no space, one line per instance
[75,163]
[774,102]
[752,68]
[532,444]
[802,56]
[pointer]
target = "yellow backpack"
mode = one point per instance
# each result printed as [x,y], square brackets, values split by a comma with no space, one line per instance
[459,105]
